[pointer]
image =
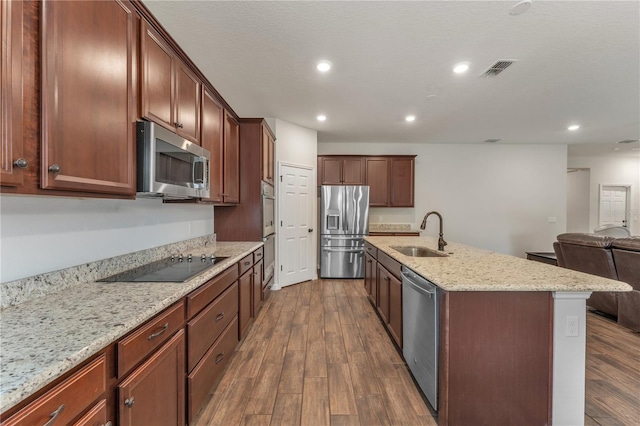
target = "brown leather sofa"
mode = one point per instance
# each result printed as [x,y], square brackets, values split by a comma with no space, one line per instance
[592,254]
[626,255]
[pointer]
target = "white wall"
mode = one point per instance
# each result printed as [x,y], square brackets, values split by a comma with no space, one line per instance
[497,197]
[295,145]
[43,234]
[611,171]
[578,200]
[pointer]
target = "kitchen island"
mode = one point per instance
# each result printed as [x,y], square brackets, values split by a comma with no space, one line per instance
[506,355]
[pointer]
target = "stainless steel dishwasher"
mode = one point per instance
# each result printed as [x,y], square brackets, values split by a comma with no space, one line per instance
[420,332]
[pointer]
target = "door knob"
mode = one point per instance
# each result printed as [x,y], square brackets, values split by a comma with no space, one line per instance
[310,230]
[55,168]
[21,163]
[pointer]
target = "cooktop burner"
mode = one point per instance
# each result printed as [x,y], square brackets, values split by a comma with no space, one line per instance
[176,269]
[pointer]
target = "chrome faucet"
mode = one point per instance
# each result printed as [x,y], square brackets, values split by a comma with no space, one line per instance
[441,241]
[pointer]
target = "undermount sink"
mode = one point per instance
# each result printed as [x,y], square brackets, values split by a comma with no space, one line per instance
[414,251]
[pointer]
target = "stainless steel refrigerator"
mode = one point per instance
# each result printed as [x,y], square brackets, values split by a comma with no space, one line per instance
[344,221]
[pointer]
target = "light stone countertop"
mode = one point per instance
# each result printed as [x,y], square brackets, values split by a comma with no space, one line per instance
[43,338]
[472,269]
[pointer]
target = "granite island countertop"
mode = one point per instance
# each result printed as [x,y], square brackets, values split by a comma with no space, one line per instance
[468,268]
[43,338]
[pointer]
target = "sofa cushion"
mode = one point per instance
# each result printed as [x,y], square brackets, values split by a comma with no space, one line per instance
[590,240]
[629,243]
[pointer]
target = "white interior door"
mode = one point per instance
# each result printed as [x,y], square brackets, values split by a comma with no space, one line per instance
[613,205]
[295,208]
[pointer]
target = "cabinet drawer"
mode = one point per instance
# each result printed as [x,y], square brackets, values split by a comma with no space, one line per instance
[258,254]
[66,400]
[135,347]
[201,297]
[373,252]
[205,328]
[97,416]
[391,264]
[203,377]
[246,263]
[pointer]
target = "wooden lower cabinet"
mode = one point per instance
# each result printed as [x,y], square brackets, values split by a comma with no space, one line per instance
[383,293]
[371,277]
[97,416]
[153,394]
[67,400]
[495,357]
[395,309]
[245,283]
[209,369]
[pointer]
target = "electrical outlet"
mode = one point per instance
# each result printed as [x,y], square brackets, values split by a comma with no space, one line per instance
[571,326]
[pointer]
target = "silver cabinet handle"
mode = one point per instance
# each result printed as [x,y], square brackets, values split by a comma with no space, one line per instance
[21,163]
[219,358]
[108,424]
[54,168]
[156,334]
[129,401]
[53,416]
[220,316]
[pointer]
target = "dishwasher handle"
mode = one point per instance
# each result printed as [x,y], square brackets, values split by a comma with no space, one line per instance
[407,279]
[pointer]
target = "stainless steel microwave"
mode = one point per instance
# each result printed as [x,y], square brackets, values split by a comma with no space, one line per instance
[170,166]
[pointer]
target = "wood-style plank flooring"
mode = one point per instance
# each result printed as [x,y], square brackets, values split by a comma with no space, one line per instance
[318,355]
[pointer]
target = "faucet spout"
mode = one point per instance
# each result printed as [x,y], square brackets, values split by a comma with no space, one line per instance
[441,241]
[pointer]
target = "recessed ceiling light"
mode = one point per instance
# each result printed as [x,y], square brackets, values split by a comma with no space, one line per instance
[461,68]
[615,149]
[573,127]
[520,8]
[321,117]
[323,66]
[410,118]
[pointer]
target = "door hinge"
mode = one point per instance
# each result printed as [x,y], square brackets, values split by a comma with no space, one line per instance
[281,267]
[280,223]
[280,178]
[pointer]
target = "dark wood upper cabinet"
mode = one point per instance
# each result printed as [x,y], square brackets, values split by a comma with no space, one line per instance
[268,153]
[390,177]
[377,169]
[231,165]
[402,181]
[12,159]
[170,94]
[211,138]
[341,170]
[88,96]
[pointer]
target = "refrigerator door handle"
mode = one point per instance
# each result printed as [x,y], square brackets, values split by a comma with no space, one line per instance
[345,221]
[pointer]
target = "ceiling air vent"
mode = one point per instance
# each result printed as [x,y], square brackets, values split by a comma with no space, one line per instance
[492,140]
[629,141]
[499,66]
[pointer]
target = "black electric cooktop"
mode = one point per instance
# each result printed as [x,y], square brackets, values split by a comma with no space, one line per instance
[175,269]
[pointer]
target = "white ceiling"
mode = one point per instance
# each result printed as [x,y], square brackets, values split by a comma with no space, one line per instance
[577,62]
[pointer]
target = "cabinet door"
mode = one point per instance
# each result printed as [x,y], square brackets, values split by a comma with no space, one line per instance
[153,394]
[370,277]
[395,309]
[211,140]
[88,141]
[257,288]
[402,181]
[187,103]
[267,156]
[156,78]
[353,171]
[377,171]
[11,103]
[331,171]
[231,182]
[244,304]
[384,278]
[272,160]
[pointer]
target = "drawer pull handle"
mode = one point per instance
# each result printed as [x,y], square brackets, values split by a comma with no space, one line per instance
[53,416]
[247,263]
[156,334]
[108,424]
[219,358]
[220,316]
[129,401]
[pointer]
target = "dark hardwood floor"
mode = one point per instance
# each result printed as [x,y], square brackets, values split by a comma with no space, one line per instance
[318,355]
